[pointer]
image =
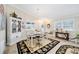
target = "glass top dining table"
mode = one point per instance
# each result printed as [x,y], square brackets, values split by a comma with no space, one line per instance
[34,40]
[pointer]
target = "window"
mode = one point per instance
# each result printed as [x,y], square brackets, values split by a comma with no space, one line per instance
[66,24]
[59,25]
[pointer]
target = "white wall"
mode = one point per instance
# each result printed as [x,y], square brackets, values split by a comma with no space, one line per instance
[2,31]
[2,41]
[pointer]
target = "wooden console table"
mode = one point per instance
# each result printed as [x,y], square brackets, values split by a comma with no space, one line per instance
[62,35]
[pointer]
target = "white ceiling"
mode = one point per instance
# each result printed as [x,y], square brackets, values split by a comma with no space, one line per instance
[49,10]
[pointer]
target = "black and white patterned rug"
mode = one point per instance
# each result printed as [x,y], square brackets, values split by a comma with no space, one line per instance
[63,49]
[23,49]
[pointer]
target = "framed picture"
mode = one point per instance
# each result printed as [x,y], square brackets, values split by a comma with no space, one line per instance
[48,25]
[29,25]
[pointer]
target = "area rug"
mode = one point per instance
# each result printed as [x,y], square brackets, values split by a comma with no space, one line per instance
[67,49]
[23,49]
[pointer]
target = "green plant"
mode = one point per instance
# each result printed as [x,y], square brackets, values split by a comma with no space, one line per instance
[77,35]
